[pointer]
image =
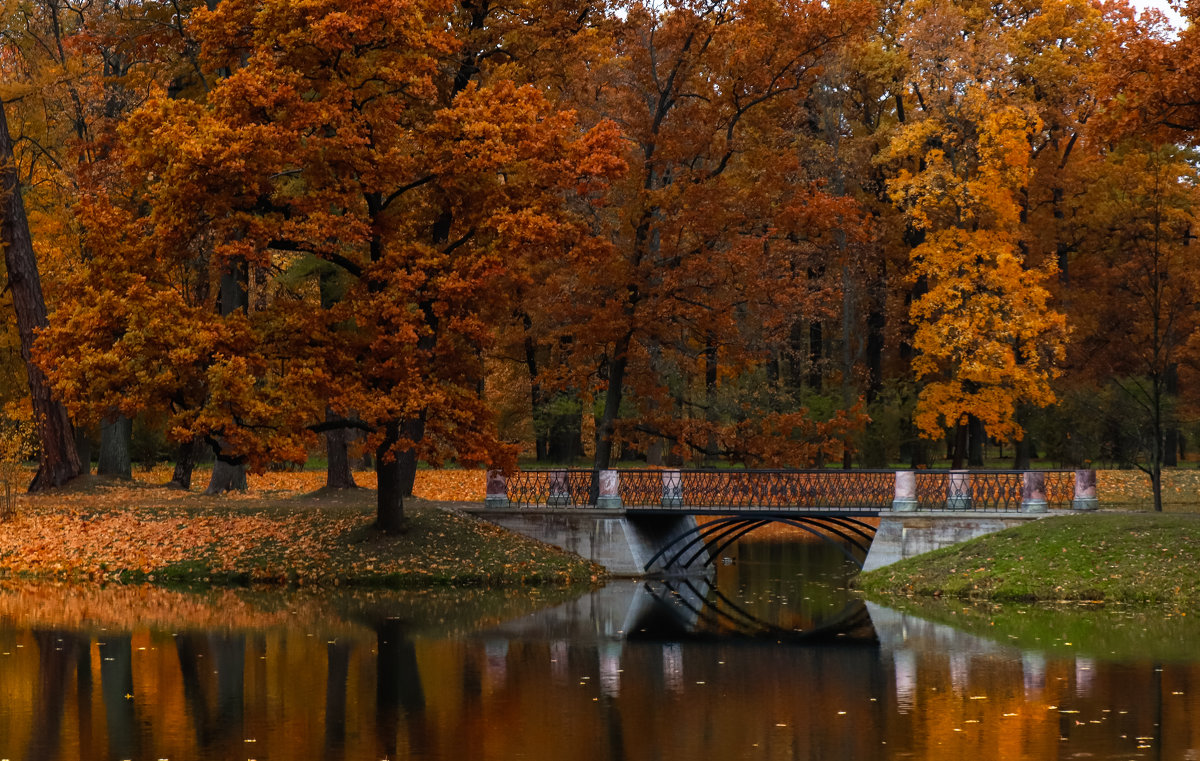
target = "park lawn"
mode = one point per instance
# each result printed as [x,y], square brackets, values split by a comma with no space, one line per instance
[1111,557]
[280,531]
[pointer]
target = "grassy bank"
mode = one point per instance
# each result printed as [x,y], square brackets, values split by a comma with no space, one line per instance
[1113,557]
[280,531]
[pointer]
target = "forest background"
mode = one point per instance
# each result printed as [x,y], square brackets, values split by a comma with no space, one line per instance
[722,233]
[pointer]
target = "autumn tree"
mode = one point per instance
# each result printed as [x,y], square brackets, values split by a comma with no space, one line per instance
[986,338]
[339,138]
[1141,322]
[709,239]
[59,461]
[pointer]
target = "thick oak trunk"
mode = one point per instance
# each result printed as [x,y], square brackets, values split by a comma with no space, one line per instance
[977,435]
[338,474]
[389,498]
[59,458]
[413,430]
[115,438]
[227,475]
[83,447]
[185,462]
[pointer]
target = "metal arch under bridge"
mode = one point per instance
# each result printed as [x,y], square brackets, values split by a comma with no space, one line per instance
[707,540]
[830,504]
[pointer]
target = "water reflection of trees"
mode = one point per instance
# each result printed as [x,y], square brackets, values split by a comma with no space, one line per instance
[389,691]
[116,685]
[213,667]
[398,692]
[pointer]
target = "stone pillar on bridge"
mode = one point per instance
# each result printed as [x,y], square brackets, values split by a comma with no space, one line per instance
[497,489]
[1033,492]
[610,490]
[1085,491]
[958,490]
[672,495]
[906,491]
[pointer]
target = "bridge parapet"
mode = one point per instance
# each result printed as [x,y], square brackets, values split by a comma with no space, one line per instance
[816,490]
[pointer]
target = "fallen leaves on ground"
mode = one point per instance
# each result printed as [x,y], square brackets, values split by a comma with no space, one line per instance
[1131,488]
[451,485]
[276,531]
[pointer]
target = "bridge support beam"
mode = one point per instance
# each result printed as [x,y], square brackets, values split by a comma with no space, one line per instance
[905,535]
[623,544]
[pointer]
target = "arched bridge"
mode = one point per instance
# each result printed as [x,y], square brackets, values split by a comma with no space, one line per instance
[677,521]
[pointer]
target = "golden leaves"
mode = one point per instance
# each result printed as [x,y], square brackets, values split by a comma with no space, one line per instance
[270,533]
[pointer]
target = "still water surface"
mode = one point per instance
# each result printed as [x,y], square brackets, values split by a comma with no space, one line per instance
[772,660]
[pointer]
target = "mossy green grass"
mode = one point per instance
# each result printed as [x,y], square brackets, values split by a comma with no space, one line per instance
[1143,558]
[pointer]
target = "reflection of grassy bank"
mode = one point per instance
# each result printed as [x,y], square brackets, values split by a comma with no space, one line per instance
[1130,558]
[1107,631]
[115,608]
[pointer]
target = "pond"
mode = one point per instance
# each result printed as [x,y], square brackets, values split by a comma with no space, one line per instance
[771,658]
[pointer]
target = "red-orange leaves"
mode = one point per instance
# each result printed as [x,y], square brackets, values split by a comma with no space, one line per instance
[372,202]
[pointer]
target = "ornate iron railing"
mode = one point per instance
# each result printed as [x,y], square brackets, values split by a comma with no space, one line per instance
[847,491]
[988,490]
[552,488]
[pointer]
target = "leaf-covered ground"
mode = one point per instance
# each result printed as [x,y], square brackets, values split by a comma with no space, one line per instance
[281,530]
[1130,489]
[1112,557]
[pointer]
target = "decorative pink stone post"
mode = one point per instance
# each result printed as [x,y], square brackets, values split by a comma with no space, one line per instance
[1085,491]
[497,489]
[672,488]
[906,491]
[958,490]
[610,490]
[1033,492]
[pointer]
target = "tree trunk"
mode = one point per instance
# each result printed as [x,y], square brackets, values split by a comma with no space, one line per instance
[338,474]
[815,353]
[975,448]
[83,446]
[413,430]
[59,458]
[960,446]
[612,404]
[230,474]
[227,475]
[876,325]
[536,401]
[185,461]
[919,454]
[115,437]
[389,500]
[1023,454]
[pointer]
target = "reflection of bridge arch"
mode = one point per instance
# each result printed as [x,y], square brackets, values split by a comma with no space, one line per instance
[708,539]
[723,616]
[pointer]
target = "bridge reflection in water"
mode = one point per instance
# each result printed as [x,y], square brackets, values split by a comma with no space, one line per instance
[630,671]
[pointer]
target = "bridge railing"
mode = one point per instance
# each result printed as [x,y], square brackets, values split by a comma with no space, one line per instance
[991,490]
[568,487]
[867,490]
[870,491]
